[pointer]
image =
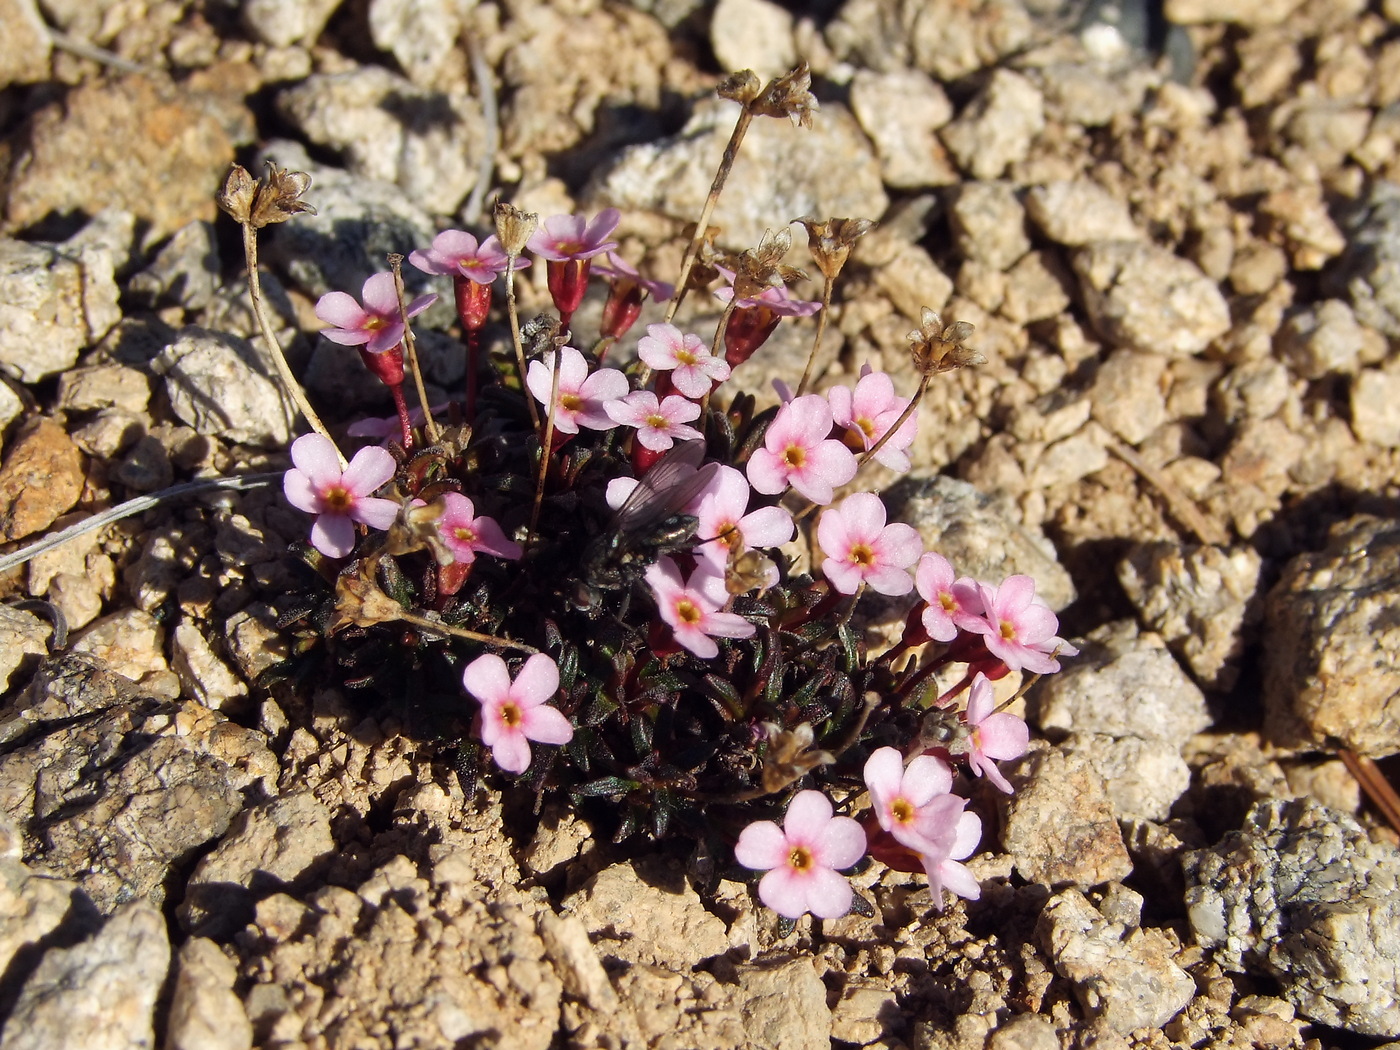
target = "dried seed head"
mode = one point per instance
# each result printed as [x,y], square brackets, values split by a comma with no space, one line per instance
[514,227]
[276,198]
[936,347]
[790,755]
[748,571]
[757,269]
[831,241]
[236,198]
[359,600]
[790,96]
[741,87]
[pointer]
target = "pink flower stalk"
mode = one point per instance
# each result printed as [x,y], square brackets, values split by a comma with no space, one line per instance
[723,526]
[861,549]
[869,412]
[694,370]
[915,807]
[797,451]
[951,603]
[465,534]
[581,396]
[692,609]
[802,858]
[992,734]
[317,485]
[377,325]
[514,713]
[567,243]
[660,423]
[754,320]
[628,289]
[1017,627]
[456,253]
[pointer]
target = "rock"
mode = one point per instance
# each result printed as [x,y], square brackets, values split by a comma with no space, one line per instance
[902,111]
[1127,395]
[1243,12]
[997,127]
[978,534]
[53,303]
[1059,827]
[1121,684]
[99,993]
[1144,777]
[989,223]
[423,36]
[782,172]
[1332,645]
[1120,973]
[865,1012]
[753,34]
[204,676]
[1146,298]
[1300,217]
[76,575]
[37,911]
[1078,212]
[146,466]
[1369,269]
[1257,267]
[281,25]
[1089,94]
[42,477]
[128,641]
[130,142]
[10,408]
[1024,1032]
[24,640]
[267,848]
[220,386]
[254,642]
[1375,407]
[388,129]
[948,39]
[167,557]
[185,271]
[1070,458]
[1253,390]
[24,51]
[96,387]
[1302,894]
[1199,599]
[1321,339]
[783,1003]
[1037,289]
[205,1013]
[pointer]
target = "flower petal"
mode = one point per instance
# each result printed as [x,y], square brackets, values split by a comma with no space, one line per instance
[316,457]
[762,845]
[370,468]
[333,535]
[341,310]
[537,681]
[487,678]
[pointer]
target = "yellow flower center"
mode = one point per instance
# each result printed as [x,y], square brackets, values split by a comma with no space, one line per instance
[337,499]
[949,603]
[374,324]
[465,534]
[511,715]
[902,811]
[800,859]
[572,402]
[867,425]
[660,422]
[1008,630]
[685,357]
[688,612]
[795,456]
[862,555]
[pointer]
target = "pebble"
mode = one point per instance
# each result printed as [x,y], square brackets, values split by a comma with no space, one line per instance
[1375,407]
[1144,777]
[753,34]
[1127,395]
[1089,94]
[129,642]
[42,477]
[902,111]
[948,39]
[1076,212]
[24,49]
[281,24]
[186,270]
[1369,269]
[95,387]
[1249,13]
[146,467]
[424,38]
[205,677]
[1321,339]
[989,223]
[205,1012]
[1037,289]
[220,386]
[1068,460]
[24,640]
[783,1003]
[1300,217]
[998,126]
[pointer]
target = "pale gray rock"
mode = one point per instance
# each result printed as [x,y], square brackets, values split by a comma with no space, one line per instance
[1320,339]
[203,674]
[130,642]
[167,557]
[1369,268]
[1070,458]
[1144,777]
[783,1004]
[37,911]
[946,38]
[146,467]
[186,270]
[219,385]
[1127,394]
[10,408]
[1243,12]
[1252,390]
[1375,407]
[998,126]
[1090,93]
[25,46]
[281,24]
[1121,684]
[1037,289]
[989,223]
[1121,973]
[1332,642]
[424,36]
[205,1013]
[53,303]
[905,273]
[94,387]
[24,641]
[1147,298]
[99,994]
[902,111]
[753,34]
[1024,1032]
[1200,600]
[1076,212]
[1302,894]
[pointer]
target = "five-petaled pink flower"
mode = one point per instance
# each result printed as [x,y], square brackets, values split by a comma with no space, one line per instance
[797,451]
[914,805]
[992,734]
[465,533]
[581,396]
[514,713]
[317,485]
[870,411]
[723,524]
[802,858]
[376,326]
[693,368]
[456,253]
[1017,627]
[660,423]
[562,238]
[948,599]
[861,549]
[693,608]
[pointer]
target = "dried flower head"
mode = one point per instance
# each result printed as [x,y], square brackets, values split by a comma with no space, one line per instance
[790,755]
[236,197]
[831,241]
[275,198]
[514,227]
[756,270]
[790,95]
[936,347]
[741,87]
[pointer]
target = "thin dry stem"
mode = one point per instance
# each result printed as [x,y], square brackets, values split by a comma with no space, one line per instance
[461,632]
[909,410]
[490,117]
[830,283]
[1375,784]
[544,449]
[515,338]
[410,345]
[1181,505]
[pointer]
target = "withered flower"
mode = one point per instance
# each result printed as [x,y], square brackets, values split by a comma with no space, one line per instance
[236,198]
[790,755]
[361,602]
[741,87]
[758,269]
[936,347]
[514,227]
[831,241]
[790,96]
[275,198]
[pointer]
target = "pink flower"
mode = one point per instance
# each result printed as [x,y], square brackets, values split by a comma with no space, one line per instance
[796,451]
[999,735]
[565,238]
[581,396]
[338,498]
[802,858]
[627,290]
[692,608]
[1017,627]
[777,300]
[723,525]
[660,424]
[869,412]
[619,271]
[754,320]
[514,713]
[377,325]
[456,253]
[386,427]
[950,602]
[914,805]
[861,549]
[465,533]
[694,369]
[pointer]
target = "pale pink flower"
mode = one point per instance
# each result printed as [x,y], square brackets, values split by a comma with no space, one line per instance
[1017,627]
[869,412]
[456,253]
[465,533]
[861,549]
[693,608]
[581,396]
[776,299]
[564,238]
[619,271]
[317,485]
[660,423]
[693,368]
[514,713]
[950,602]
[797,451]
[992,734]
[725,524]
[386,427]
[802,858]
[377,326]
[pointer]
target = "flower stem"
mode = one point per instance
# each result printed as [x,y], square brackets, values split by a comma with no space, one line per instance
[545,449]
[401,407]
[430,426]
[817,339]
[909,410]
[515,338]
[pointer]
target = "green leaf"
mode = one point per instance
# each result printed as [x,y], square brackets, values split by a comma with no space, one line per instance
[606,787]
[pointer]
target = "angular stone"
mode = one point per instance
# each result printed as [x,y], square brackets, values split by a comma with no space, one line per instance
[41,478]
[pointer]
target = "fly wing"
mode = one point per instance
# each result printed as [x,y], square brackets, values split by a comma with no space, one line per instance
[672,482]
